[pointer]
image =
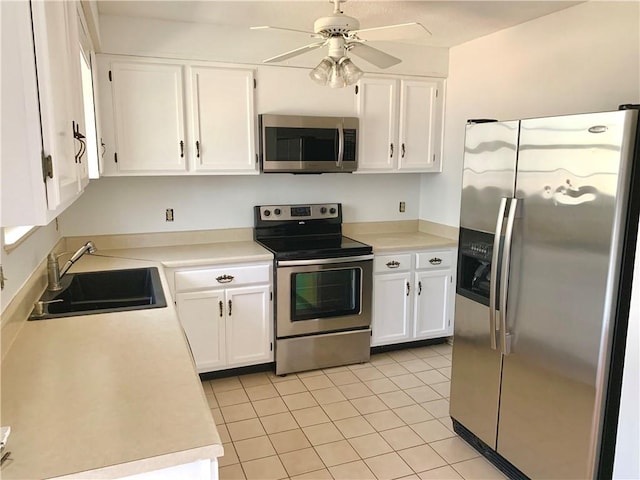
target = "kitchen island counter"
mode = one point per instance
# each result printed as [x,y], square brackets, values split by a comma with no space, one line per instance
[104,396]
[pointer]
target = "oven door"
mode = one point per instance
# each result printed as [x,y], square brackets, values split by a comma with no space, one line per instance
[324,295]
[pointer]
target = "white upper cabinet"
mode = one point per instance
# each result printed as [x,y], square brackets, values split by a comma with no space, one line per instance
[377,109]
[41,108]
[400,124]
[223,133]
[148,113]
[177,117]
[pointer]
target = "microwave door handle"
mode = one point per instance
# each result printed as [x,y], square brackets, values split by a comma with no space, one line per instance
[340,145]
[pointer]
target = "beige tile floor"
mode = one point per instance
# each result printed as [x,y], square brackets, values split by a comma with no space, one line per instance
[384,419]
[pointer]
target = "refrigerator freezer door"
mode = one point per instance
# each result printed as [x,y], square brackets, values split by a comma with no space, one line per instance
[475,375]
[567,183]
[489,172]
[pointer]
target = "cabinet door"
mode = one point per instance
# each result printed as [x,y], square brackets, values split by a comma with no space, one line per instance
[223,133]
[23,193]
[432,300]
[418,126]
[148,117]
[377,109]
[53,35]
[391,308]
[202,315]
[249,334]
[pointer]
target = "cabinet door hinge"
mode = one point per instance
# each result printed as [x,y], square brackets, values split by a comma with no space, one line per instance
[115,157]
[271,347]
[256,158]
[47,167]
[271,296]
[110,77]
[255,83]
[357,89]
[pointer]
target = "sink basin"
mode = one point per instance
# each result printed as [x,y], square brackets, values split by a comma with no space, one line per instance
[105,291]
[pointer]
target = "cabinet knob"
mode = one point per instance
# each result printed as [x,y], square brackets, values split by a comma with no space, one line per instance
[435,261]
[225,278]
[393,264]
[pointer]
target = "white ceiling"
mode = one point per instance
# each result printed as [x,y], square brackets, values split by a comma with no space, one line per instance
[451,22]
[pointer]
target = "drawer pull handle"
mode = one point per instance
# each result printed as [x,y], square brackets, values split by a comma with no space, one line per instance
[229,307]
[408,289]
[393,264]
[419,288]
[435,261]
[220,304]
[225,278]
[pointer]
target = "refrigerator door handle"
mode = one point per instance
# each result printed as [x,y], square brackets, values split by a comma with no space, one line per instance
[505,338]
[493,281]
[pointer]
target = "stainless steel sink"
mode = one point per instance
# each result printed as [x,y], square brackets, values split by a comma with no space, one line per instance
[102,292]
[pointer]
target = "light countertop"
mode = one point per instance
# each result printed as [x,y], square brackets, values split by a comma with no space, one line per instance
[88,392]
[394,242]
[196,255]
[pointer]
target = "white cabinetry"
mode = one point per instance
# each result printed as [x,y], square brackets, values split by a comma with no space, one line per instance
[413,296]
[41,103]
[148,114]
[226,313]
[400,124]
[175,117]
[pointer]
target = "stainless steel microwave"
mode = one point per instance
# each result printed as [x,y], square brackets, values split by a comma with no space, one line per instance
[308,144]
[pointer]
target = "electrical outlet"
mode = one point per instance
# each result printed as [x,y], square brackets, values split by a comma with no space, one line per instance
[169,215]
[402,207]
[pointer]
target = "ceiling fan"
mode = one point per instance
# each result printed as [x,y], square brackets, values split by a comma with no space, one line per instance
[342,34]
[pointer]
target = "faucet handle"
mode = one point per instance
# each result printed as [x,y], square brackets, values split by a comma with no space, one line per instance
[40,306]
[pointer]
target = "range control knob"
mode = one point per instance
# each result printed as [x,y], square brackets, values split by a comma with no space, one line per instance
[277,211]
[323,210]
[332,210]
[267,213]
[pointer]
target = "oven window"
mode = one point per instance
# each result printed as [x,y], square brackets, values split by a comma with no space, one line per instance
[325,294]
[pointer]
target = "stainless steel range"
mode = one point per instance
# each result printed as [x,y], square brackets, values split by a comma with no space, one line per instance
[323,286]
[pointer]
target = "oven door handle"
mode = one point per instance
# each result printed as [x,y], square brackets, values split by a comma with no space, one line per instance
[324,261]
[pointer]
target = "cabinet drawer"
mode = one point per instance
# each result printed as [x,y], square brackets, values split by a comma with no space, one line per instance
[221,277]
[436,259]
[392,263]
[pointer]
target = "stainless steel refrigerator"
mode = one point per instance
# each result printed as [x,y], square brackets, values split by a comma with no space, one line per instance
[548,221]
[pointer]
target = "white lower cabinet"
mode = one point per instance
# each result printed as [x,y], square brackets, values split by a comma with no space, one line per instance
[227,324]
[413,296]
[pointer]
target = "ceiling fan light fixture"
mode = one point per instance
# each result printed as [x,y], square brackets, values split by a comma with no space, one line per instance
[350,71]
[336,79]
[321,73]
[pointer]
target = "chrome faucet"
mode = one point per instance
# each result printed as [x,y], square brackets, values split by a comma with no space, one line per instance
[55,273]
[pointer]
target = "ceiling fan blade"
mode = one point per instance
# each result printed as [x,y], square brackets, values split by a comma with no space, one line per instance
[267,27]
[373,55]
[392,32]
[293,53]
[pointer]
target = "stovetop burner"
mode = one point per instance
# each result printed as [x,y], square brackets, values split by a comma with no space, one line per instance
[302,232]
